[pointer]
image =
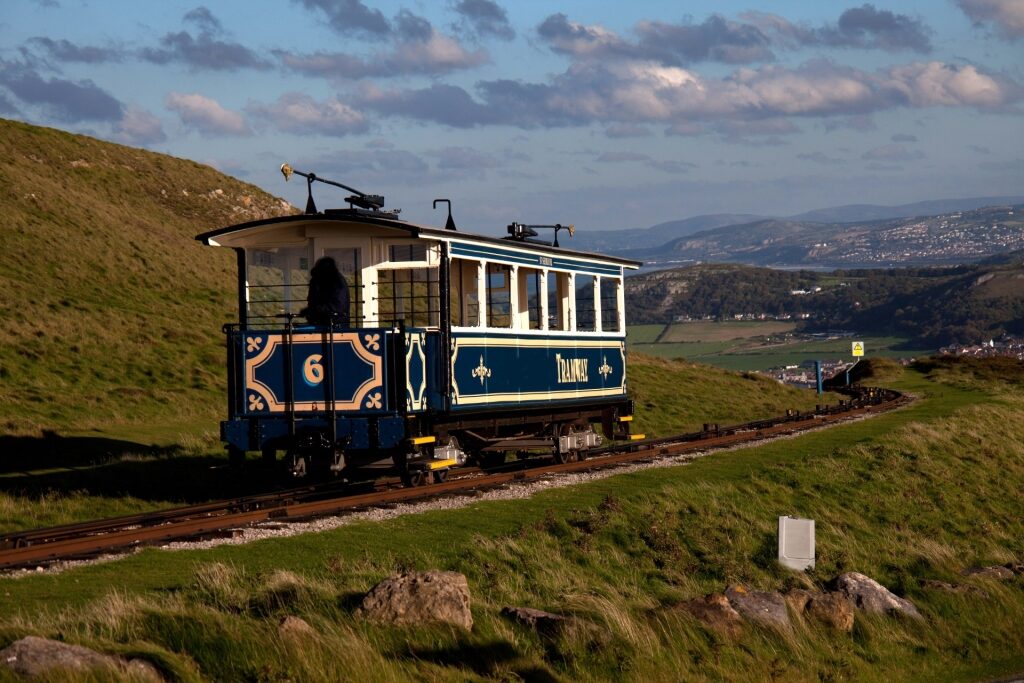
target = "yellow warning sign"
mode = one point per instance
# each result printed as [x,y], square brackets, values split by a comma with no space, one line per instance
[858,349]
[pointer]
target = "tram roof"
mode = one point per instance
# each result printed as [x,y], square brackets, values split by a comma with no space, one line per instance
[226,235]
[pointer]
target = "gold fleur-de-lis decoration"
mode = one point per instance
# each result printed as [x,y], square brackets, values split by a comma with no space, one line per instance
[372,341]
[253,343]
[605,369]
[374,401]
[255,402]
[482,371]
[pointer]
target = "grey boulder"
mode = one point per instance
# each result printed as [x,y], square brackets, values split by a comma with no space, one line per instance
[420,598]
[872,597]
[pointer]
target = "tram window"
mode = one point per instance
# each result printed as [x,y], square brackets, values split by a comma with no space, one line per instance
[464,294]
[499,296]
[399,253]
[408,295]
[610,304]
[585,319]
[558,300]
[277,281]
[348,260]
[528,315]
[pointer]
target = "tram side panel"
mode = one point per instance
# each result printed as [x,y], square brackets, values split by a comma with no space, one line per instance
[490,370]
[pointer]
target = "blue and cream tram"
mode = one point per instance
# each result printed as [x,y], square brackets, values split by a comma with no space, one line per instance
[458,347]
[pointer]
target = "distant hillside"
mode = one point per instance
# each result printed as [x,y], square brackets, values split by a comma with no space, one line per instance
[661,243]
[607,241]
[958,237]
[934,306]
[107,303]
[873,212]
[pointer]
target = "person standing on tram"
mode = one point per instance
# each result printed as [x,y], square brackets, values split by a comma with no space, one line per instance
[328,298]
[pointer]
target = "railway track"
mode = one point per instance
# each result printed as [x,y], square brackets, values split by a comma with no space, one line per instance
[44,546]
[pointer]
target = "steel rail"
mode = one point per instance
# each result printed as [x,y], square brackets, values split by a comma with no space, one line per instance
[41,546]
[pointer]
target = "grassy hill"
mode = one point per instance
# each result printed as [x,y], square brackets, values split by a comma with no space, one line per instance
[110,311]
[910,498]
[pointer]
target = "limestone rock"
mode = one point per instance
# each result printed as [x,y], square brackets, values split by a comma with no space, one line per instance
[797,599]
[543,622]
[832,609]
[1015,567]
[872,597]
[767,609]
[993,572]
[32,656]
[715,613]
[140,669]
[295,627]
[420,597]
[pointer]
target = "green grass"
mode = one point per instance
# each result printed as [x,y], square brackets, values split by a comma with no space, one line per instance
[643,334]
[706,331]
[743,355]
[674,397]
[917,493]
[108,305]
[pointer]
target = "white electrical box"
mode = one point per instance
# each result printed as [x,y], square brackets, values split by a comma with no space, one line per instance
[796,543]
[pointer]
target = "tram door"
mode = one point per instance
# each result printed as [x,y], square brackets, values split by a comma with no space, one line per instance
[349,260]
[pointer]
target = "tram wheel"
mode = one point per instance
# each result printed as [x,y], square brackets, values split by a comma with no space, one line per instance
[236,456]
[412,478]
[492,460]
[560,455]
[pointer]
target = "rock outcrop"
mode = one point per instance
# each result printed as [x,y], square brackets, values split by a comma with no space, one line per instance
[832,609]
[766,609]
[995,572]
[716,614]
[872,597]
[33,656]
[420,597]
[797,598]
[295,627]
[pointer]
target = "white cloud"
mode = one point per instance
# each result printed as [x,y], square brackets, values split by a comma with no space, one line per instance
[206,115]
[139,127]
[301,114]
[934,83]
[1007,15]
[438,53]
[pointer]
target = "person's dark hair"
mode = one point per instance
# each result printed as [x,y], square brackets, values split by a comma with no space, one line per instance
[328,294]
[325,270]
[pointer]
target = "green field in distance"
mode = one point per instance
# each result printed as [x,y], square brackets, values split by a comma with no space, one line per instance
[754,345]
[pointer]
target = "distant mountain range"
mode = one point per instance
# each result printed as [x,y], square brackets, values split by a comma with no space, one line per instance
[872,212]
[930,232]
[611,241]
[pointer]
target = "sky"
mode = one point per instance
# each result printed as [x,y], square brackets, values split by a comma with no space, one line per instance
[605,115]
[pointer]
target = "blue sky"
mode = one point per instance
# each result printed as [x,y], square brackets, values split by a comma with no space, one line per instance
[607,116]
